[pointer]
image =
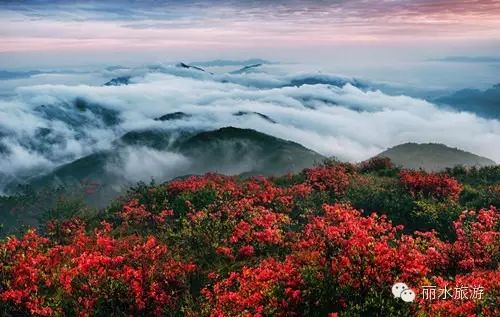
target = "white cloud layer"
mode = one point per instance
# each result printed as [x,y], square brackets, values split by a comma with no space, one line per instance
[42,127]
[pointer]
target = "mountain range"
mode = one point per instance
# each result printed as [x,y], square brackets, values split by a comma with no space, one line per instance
[162,154]
[165,121]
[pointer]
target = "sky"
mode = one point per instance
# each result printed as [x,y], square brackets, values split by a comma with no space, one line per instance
[66,32]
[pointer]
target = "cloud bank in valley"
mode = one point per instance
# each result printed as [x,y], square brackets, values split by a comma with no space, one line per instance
[44,126]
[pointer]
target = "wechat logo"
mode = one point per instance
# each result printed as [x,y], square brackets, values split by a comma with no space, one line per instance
[401,290]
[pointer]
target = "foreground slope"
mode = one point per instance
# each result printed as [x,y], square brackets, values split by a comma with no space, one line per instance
[306,244]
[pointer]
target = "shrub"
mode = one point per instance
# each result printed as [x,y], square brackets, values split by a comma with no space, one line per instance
[430,185]
[93,274]
[376,164]
[333,179]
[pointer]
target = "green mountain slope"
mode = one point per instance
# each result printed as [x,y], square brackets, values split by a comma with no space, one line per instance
[433,157]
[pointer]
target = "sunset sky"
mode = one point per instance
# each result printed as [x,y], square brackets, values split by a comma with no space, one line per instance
[294,30]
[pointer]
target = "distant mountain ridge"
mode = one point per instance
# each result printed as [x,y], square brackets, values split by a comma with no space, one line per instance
[432,157]
[246,69]
[485,103]
[184,65]
[223,62]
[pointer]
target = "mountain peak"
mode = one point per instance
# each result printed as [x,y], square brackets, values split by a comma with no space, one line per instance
[118,81]
[433,156]
[184,65]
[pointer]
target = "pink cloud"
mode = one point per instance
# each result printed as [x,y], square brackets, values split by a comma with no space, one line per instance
[294,25]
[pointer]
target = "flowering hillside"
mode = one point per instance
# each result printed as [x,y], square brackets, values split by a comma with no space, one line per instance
[330,241]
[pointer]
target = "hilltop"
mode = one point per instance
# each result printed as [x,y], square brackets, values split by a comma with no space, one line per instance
[433,157]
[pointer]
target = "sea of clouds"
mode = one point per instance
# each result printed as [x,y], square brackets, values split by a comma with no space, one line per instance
[43,126]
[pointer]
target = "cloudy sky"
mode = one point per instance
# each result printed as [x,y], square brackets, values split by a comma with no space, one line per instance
[66,32]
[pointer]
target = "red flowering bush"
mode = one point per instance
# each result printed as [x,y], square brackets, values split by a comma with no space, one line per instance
[478,240]
[136,214]
[438,186]
[271,288]
[219,183]
[328,178]
[376,163]
[341,261]
[361,251]
[92,274]
[222,246]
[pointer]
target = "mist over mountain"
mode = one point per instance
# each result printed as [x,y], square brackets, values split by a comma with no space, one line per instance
[485,103]
[44,127]
[470,59]
[162,155]
[118,81]
[5,75]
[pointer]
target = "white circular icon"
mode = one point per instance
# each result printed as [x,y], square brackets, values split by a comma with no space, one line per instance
[408,295]
[398,288]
